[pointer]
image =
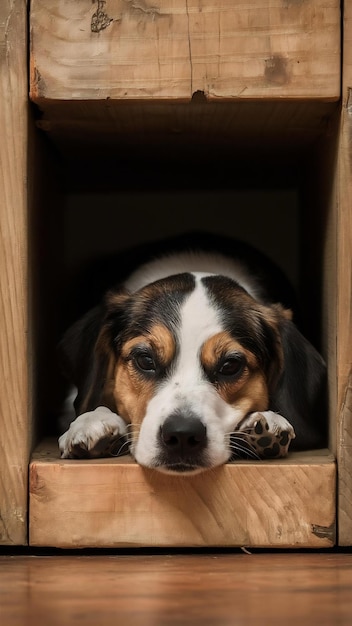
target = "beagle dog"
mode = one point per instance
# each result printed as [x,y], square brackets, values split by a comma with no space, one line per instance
[193,360]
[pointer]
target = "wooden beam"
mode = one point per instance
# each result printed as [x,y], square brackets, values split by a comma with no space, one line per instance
[136,49]
[14,414]
[114,502]
[344,302]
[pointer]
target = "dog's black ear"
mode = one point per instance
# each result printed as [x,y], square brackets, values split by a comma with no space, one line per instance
[301,392]
[87,356]
[77,345]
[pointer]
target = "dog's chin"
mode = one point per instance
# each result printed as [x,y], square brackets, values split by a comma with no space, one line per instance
[175,469]
[180,469]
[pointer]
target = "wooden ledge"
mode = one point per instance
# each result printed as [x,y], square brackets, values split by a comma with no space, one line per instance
[117,503]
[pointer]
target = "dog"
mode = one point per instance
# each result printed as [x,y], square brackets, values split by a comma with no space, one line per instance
[192,360]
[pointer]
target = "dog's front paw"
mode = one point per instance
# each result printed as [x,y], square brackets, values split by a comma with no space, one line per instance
[268,433]
[93,434]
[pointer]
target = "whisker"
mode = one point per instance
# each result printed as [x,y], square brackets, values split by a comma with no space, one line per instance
[240,452]
[132,426]
[121,446]
[240,433]
[238,447]
[241,447]
[124,443]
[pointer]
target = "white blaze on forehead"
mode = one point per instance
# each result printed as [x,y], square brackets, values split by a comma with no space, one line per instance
[199,322]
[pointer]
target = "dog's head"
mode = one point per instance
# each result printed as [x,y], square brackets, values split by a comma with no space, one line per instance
[183,361]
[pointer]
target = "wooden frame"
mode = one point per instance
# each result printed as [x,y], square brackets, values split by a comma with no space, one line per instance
[65,117]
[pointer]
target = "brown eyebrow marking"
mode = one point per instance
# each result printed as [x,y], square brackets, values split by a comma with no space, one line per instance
[159,338]
[250,390]
[252,395]
[221,344]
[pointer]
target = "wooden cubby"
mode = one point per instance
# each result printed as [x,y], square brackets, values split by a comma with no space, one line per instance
[193,113]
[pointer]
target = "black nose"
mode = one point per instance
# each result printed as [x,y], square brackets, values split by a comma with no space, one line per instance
[183,434]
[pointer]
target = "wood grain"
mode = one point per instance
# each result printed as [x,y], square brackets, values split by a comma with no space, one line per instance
[106,503]
[137,49]
[14,414]
[344,302]
[177,589]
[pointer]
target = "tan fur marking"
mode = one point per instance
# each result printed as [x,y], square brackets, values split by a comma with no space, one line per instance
[158,338]
[286,313]
[132,394]
[163,342]
[221,344]
[252,395]
[132,391]
[250,390]
[115,299]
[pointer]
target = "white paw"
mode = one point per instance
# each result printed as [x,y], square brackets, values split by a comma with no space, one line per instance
[276,423]
[92,434]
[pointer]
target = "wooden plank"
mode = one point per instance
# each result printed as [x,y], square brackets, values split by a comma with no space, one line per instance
[115,502]
[344,302]
[14,438]
[136,49]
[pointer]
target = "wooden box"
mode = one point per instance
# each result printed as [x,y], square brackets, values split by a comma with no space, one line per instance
[226,115]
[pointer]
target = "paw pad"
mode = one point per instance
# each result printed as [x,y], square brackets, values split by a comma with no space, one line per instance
[268,433]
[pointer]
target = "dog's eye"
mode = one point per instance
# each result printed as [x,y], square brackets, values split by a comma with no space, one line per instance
[231,367]
[145,362]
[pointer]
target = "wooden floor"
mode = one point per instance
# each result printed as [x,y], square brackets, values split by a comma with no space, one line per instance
[170,589]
